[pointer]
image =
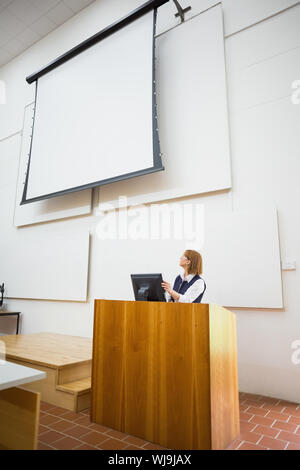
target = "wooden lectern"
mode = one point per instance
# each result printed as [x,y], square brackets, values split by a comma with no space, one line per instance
[166,372]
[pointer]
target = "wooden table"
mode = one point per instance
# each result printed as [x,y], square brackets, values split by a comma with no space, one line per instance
[19,408]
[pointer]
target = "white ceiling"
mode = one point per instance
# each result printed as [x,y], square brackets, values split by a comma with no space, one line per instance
[24,22]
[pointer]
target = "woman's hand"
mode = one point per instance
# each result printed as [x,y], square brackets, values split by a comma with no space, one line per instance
[165,285]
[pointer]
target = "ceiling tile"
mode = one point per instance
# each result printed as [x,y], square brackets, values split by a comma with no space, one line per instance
[14,47]
[28,37]
[43,26]
[5,36]
[77,5]
[4,57]
[45,5]
[24,11]
[60,13]
[4,3]
[10,23]
[24,22]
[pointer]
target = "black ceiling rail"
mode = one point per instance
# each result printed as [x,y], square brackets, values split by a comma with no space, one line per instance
[104,33]
[181,11]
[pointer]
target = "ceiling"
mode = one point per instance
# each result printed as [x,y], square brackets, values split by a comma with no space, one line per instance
[24,22]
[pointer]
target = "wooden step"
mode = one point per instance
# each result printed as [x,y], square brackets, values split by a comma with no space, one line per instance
[78,387]
[66,360]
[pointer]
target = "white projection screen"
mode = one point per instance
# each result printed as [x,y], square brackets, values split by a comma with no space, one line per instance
[95,114]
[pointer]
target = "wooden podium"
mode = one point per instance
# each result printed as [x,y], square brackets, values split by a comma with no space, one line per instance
[166,372]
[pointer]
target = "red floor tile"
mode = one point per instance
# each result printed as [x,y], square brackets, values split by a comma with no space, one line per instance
[257,411]
[131,447]
[252,437]
[274,444]
[293,446]
[291,412]
[70,416]
[94,438]
[112,444]
[277,416]
[57,411]
[77,431]
[234,445]
[244,427]
[46,420]
[250,403]
[50,437]
[86,447]
[266,431]
[283,426]
[42,429]
[83,420]
[136,441]
[277,408]
[67,443]
[289,437]
[248,446]
[46,406]
[151,446]
[245,416]
[262,420]
[294,420]
[116,434]
[42,446]
[269,401]
[99,428]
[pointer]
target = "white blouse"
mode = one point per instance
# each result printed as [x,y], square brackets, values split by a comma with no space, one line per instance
[193,291]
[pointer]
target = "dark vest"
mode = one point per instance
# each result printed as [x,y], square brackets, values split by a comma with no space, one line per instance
[182,286]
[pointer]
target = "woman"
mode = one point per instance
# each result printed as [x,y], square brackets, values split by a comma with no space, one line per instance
[189,287]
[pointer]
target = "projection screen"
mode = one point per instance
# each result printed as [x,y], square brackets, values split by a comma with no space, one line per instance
[95,116]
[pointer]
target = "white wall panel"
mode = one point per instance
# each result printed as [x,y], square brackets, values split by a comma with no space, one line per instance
[9,156]
[272,37]
[37,262]
[53,266]
[192,115]
[70,205]
[242,259]
[239,14]
[265,82]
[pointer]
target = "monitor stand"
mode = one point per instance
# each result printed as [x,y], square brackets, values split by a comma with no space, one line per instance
[143,293]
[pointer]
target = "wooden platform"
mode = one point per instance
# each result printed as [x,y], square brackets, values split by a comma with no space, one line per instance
[67,361]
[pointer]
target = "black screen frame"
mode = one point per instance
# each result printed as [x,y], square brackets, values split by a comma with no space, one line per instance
[157,155]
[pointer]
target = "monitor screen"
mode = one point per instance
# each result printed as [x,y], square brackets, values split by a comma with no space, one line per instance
[147,287]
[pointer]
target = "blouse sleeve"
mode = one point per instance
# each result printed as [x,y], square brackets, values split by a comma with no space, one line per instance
[193,292]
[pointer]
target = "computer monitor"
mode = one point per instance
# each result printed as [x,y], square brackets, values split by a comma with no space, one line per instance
[147,287]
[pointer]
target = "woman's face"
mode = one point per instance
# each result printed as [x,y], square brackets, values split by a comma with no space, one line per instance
[183,262]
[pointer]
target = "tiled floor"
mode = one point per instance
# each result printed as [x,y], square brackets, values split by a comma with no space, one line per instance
[266,423]
[63,430]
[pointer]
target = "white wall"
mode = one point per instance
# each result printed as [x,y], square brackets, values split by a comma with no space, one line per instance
[262,61]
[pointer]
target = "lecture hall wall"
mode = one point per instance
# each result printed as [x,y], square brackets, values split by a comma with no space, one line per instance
[262,51]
